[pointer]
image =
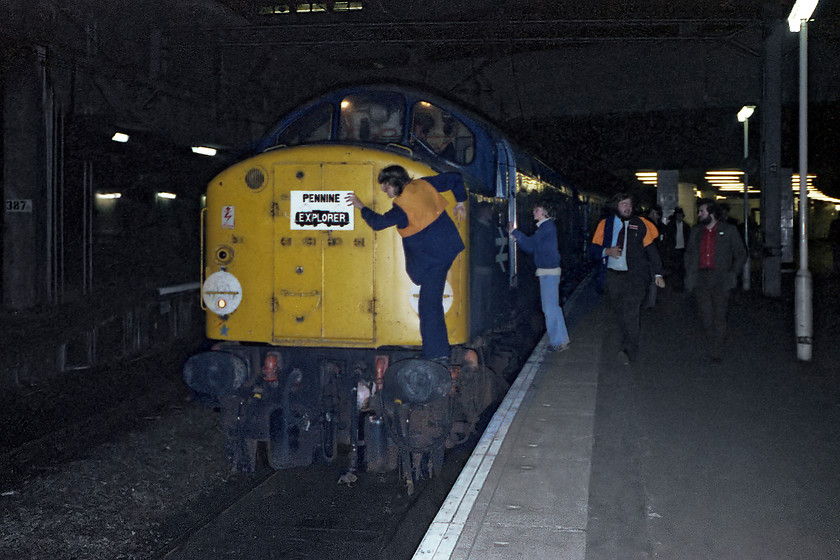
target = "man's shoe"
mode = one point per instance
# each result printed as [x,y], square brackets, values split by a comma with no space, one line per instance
[559,347]
[624,358]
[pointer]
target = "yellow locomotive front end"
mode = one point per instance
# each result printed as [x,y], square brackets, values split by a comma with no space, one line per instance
[289,263]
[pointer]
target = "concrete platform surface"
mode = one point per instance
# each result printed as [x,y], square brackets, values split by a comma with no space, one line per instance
[673,456]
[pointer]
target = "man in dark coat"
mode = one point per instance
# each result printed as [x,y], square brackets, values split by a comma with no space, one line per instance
[654,215]
[674,240]
[625,245]
[714,257]
[430,242]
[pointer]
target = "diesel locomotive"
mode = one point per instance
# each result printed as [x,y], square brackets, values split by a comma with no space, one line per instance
[313,317]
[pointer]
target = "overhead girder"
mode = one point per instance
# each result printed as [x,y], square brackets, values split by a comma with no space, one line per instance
[528,32]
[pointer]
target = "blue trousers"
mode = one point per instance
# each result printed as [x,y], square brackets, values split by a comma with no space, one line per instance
[555,322]
[430,308]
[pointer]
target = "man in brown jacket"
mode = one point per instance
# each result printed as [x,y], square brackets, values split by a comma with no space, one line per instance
[714,257]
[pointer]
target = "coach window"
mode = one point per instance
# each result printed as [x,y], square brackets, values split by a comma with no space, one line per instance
[435,130]
[314,126]
[373,117]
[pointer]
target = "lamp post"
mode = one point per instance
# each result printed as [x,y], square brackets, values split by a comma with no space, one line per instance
[744,116]
[798,22]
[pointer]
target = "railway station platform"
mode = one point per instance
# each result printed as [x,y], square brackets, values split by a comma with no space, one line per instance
[672,456]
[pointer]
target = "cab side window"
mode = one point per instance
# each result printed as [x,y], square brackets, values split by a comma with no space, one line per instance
[437,131]
[314,126]
[376,117]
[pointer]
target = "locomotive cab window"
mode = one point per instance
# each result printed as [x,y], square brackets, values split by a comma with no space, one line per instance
[314,126]
[374,117]
[437,131]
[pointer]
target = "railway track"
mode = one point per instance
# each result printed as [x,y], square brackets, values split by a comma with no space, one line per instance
[146,477]
[305,513]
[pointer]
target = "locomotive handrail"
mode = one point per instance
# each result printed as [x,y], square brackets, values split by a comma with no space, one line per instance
[178,288]
[201,259]
[399,147]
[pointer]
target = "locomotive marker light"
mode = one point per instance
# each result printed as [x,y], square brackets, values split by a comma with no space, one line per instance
[221,293]
[448,297]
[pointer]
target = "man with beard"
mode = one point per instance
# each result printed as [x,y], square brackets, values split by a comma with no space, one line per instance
[714,256]
[625,245]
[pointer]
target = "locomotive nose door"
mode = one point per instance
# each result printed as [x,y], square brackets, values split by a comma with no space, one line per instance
[323,276]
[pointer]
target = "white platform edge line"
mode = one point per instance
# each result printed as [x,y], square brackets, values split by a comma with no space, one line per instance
[440,539]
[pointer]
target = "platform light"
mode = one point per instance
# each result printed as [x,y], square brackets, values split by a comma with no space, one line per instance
[167,195]
[120,137]
[803,287]
[204,150]
[745,113]
[744,117]
[802,11]
[726,180]
[108,196]
[647,177]
[813,192]
[817,195]
[809,180]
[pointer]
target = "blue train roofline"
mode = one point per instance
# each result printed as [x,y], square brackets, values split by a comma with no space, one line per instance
[490,139]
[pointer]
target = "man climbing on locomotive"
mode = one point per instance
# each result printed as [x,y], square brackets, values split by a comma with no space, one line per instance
[430,242]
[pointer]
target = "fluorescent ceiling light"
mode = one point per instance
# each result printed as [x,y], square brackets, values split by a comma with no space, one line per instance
[647,177]
[168,195]
[119,137]
[204,150]
[802,10]
[745,112]
[108,196]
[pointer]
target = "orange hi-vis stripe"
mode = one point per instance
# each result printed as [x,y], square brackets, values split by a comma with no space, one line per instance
[422,203]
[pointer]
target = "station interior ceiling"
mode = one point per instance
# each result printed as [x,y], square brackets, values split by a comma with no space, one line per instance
[581,84]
